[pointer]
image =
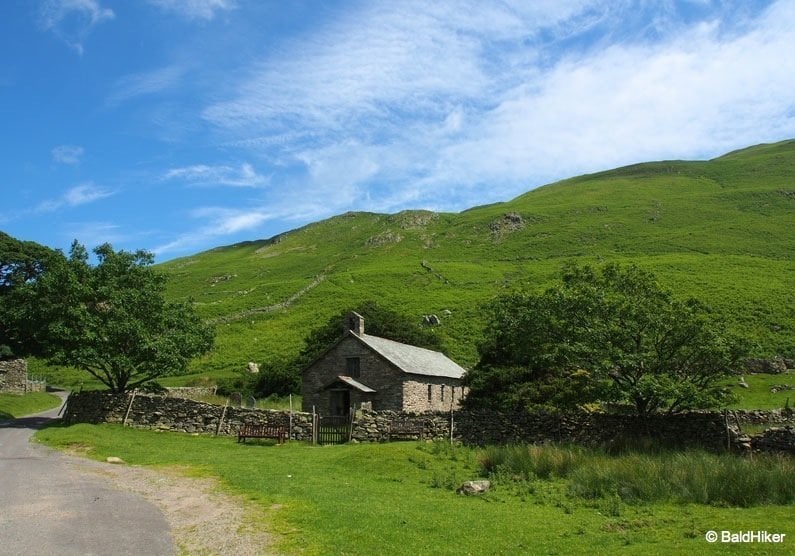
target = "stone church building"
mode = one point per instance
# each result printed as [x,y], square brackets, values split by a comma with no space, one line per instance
[381,374]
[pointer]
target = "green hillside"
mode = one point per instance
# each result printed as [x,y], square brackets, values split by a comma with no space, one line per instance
[721,230]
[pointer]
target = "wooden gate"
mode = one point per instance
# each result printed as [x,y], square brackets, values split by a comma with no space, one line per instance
[333,429]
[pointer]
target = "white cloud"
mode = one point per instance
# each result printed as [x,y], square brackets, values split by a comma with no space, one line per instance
[79,195]
[698,94]
[72,20]
[68,154]
[195,9]
[243,176]
[217,222]
[410,104]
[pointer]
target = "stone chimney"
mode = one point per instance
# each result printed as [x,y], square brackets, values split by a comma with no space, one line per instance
[355,323]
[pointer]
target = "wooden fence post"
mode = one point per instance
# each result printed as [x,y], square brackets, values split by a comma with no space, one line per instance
[129,407]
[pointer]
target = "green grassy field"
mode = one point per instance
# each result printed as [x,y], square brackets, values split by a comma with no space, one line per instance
[19,405]
[758,395]
[718,230]
[399,498]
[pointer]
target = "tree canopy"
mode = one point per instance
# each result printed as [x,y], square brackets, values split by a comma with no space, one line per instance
[607,334]
[111,319]
[379,321]
[21,263]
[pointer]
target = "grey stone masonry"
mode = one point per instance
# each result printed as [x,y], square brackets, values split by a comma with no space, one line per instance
[711,430]
[177,414]
[395,390]
[775,439]
[14,376]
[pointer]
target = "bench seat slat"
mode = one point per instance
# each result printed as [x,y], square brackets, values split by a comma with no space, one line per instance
[256,430]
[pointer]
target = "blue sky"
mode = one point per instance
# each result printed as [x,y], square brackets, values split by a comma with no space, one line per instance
[181,125]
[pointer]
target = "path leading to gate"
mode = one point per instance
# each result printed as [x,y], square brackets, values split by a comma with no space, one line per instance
[51,503]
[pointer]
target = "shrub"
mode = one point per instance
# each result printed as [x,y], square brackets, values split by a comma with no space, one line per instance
[527,462]
[642,477]
[689,477]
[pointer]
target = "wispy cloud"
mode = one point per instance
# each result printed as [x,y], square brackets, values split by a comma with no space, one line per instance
[68,154]
[72,20]
[195,9]
[424,104]
[217,222]
[243,176]
[94,233]
[79,195]
[148,83]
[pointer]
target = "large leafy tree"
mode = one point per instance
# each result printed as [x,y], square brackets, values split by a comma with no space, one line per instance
[21,263]
[111,319]
[611,333]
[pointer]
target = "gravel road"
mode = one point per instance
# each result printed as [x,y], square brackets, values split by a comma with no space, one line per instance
[51,503]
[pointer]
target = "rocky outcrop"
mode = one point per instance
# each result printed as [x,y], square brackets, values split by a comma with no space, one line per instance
[507,223]
[776,365]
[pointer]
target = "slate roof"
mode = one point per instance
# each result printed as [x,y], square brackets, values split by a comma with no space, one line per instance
[412,359]
[351,382]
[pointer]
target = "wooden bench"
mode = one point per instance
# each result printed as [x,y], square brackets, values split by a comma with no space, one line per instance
[406,429]
[255,430]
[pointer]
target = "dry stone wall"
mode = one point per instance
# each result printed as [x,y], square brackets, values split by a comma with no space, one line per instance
[775,439]
[191,392]
[703,429]
[763,416]
[710,430]
[177,414]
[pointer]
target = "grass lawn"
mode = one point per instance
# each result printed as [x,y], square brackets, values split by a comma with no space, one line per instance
[399,498]
[19,405]
[758,395]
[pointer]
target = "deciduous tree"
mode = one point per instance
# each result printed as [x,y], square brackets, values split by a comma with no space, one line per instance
[112,320]
[603,334]
[21,263]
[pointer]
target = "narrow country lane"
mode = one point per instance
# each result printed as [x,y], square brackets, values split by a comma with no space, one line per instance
[53,504]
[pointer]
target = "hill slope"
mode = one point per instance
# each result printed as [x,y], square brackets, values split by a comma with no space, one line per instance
[721,230]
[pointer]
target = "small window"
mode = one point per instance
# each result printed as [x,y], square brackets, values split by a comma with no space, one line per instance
[354,367]
[430,392]
[441,396]
[452,393]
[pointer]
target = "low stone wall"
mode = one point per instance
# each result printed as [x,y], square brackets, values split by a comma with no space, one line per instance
[177,414]
[371,426]
[710,430]
[776,439]
[762,416]
[191,392]
[702,429]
